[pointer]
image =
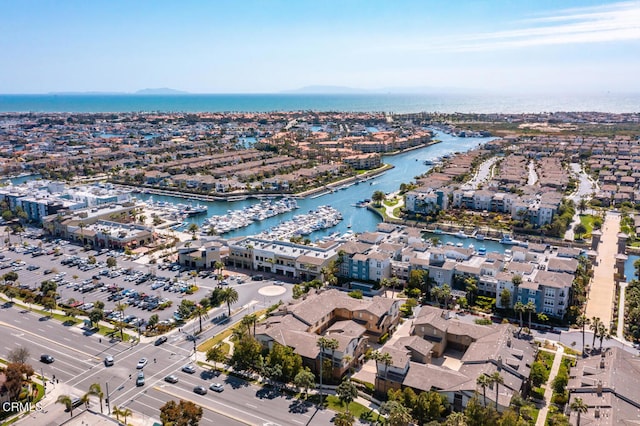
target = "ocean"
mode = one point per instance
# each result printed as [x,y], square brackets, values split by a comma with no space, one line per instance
[391,103]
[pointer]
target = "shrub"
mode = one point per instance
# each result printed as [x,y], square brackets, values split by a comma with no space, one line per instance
[356,294]
[539,373]
[483,321]
[383,339]
[537,393]
[561,380]
[560,398]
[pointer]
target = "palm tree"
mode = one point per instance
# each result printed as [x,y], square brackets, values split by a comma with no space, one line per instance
[496,379]
[126,413]
[436,293]
[85,400]
[595,326]
[66,401]
[201,311]
[229,295]
[218,266]
[116,412]
[385,283]
[582,205]
[344,419]
[378,197]
[385,359]
[446,295]
[324,343]
[120,307]
[519,309]
[583,321]
[248,321]
[579,407]
[484,381]
[530,307]
[602,334]
[96,390]
[516,280]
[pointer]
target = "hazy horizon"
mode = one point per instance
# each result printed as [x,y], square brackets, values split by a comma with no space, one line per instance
[255,47]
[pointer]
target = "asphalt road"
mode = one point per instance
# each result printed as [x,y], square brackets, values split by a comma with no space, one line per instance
[79,363]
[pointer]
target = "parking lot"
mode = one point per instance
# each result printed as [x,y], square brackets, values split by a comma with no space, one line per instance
[83,278]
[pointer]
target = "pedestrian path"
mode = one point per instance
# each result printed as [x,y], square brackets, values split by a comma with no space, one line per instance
[621,304]
[548,392]
[603,287]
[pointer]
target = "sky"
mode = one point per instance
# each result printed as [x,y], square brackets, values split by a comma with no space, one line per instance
[268,46]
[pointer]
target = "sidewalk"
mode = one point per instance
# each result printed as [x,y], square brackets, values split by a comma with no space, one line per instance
[548,392]
[603,287]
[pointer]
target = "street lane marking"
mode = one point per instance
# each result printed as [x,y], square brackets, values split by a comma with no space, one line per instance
[217,411]
[251,405]
[2,323]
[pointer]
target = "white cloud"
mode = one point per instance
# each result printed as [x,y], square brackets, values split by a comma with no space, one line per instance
[615,22]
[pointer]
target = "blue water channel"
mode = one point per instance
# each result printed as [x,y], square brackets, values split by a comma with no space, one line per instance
[629,270]
[406,167]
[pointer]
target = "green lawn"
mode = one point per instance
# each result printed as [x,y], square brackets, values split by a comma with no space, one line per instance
[546,358]
[587,221]
[359,411]
[208,344]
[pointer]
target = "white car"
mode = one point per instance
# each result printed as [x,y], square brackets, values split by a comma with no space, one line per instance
[142,363]
[216,387]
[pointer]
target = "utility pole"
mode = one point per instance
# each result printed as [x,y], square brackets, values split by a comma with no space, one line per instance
[44,383]
[107,400]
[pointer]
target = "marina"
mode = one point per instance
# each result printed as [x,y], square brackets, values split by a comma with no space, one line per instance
[236,219]
[324,217]
[177,211]
[405,168]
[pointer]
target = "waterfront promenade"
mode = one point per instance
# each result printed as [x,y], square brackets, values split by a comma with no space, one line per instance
[603,287]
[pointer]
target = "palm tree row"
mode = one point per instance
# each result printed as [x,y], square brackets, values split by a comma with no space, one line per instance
[94,390]
[485,381]
[521,308]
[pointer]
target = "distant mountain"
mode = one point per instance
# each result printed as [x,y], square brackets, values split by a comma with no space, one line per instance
[329,90]
[342,90]
[161,91]
[86,93]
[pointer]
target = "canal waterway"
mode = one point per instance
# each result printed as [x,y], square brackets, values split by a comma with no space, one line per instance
[407,166]
[629,270]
